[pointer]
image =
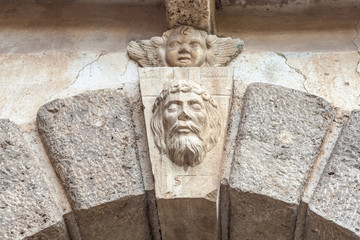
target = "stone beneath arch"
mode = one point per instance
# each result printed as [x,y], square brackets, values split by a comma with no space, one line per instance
[280,135]
[334,210]
[27,208]
[90,139]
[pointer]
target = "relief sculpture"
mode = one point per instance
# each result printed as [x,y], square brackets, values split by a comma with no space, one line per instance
[185,46]
[186,123]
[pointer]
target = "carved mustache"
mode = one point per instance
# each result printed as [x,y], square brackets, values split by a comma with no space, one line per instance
[189,125]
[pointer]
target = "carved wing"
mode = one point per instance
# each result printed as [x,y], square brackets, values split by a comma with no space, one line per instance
[223,50]
[146,52]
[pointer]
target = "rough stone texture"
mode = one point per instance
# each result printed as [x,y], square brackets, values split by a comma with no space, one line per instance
[332,135]
[143,154]
[197,13]
[91,141]
[33,139]
[279,138]
[27,209]
[334,130]
[334,208]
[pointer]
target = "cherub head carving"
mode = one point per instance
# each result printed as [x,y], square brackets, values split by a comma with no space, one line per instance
[185,46]
[186,123]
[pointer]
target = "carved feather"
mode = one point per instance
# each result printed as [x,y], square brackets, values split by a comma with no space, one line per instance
[145,52]
[223,50]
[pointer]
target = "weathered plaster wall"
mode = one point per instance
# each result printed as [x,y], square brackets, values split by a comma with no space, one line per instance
[82,47]
[49,51]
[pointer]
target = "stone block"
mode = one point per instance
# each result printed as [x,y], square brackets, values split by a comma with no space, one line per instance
[27,208]
[198,13]
[90,139]
[280,135]
[334,209]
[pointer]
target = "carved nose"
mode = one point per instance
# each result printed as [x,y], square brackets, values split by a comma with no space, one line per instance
[184,116]
[184,49]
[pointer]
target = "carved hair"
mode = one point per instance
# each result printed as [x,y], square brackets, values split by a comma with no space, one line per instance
[213,113]
[183,30]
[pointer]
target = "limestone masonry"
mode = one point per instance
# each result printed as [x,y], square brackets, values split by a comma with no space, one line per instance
[246,126]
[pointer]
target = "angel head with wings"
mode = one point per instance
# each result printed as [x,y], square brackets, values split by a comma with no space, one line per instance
[185,46]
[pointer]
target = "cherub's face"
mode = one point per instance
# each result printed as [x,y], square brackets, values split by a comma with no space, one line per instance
[186,50]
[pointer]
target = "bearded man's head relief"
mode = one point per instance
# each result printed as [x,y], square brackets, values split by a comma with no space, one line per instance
[186,123]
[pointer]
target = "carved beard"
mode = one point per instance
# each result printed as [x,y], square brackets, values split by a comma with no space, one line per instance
[185,148]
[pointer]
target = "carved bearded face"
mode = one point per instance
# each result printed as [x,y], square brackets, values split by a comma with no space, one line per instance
[186,124]
[185,121]
[185,47]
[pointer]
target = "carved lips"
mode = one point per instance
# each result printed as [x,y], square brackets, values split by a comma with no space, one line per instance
[184,58]
[187,127]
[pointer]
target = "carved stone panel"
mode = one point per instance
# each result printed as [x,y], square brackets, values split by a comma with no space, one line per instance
[186,113]
[185,46]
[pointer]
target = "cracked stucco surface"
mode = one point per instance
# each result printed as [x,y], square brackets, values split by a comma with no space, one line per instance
[295,69]
[90,54]
[356,42]
[24,87]
[331,75]
[54,50]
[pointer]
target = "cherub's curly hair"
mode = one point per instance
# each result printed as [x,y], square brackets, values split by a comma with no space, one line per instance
[184,30]
[211,107]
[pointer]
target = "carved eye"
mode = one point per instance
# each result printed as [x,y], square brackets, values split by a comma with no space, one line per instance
[195,44]
[196,106]
[174,44]
[172,107]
